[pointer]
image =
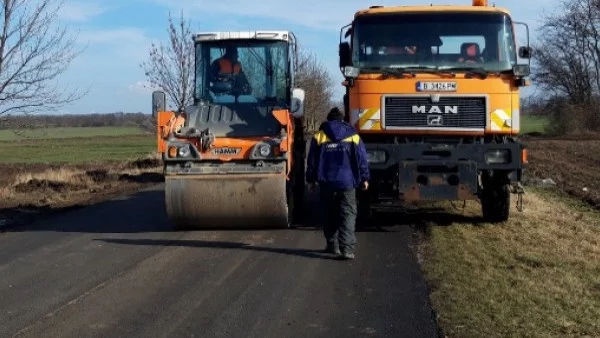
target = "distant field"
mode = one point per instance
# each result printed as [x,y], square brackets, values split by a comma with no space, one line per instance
[67,132]
[75,145]
[534,124]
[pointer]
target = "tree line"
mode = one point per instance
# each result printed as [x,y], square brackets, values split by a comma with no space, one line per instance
[566,68]
[118,119]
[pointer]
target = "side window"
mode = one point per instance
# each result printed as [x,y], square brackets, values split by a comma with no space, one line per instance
[253,63]
[452,44]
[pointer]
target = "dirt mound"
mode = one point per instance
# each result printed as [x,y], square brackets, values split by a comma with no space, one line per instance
[147,163]
[36,185]
[100,175]
[572,164]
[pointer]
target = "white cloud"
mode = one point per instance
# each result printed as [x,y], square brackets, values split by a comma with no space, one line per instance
[113,36]
[81,11]
[327,15]
[142,88]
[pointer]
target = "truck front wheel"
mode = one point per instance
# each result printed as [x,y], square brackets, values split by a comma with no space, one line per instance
[495,200]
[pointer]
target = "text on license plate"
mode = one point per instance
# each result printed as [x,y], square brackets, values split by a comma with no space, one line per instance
[436,86]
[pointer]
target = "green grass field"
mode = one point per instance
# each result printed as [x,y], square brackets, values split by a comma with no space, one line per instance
[534,124]
[75,145]
[67,132]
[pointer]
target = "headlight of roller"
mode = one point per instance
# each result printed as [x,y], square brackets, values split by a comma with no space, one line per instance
[184,151]
[265,150]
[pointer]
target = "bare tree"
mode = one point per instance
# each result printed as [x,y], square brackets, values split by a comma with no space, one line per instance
[567,62]
[171,67]
[32,55]
[313,77]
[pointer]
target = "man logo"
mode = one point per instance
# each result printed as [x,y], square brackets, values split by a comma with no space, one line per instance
[435,110]
[434,120]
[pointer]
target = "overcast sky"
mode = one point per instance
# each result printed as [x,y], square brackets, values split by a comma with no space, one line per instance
[118,34]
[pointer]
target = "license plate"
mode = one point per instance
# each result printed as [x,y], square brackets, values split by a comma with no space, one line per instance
[436,86]
[226,151]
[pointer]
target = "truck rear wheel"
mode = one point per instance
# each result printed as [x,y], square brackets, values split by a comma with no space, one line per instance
[495,201]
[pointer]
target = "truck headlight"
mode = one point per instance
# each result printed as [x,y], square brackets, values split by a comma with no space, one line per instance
[351,72]
[376,156]
[497,156]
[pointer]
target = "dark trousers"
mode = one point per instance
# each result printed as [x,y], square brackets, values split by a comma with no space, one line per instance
[340,211]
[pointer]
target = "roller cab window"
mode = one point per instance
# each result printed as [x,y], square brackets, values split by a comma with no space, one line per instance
[242,71]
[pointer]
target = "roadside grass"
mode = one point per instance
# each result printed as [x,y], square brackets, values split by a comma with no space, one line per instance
[66,132]
[77,150]
[66,185]
[534,124]
[537,275]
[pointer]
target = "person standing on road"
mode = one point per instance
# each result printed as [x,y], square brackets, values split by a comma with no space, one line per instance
[337,162]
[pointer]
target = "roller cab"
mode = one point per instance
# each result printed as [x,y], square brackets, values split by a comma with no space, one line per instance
[235,158]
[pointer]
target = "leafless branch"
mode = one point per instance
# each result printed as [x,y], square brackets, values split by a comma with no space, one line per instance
[567,61]
[312,76]
[171,67]
[33,54]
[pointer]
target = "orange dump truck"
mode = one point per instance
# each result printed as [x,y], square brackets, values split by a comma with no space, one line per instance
[434,93]
[235,158]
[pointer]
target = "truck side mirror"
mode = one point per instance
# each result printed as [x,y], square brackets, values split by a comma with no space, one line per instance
[298,95]
[525,52]
[158,102]
[344,53]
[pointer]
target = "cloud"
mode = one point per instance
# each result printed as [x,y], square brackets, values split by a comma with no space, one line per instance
[323,15]
[113,36]
[81,11]
[142,88]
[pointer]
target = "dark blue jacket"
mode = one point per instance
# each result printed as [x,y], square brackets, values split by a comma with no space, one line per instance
[337,157]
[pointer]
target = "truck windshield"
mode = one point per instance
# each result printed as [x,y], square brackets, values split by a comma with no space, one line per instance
[242,71]
[434,40]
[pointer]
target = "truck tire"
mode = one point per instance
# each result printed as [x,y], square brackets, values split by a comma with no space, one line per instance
[495,202]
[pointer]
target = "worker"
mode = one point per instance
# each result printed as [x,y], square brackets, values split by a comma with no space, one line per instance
[228,68]
[337,162]
[469,53]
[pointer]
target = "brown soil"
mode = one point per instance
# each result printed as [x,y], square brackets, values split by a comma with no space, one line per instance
[33,190]
[572,162]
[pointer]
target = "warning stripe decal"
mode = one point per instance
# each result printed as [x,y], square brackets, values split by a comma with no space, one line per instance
[500,120]
[369,119]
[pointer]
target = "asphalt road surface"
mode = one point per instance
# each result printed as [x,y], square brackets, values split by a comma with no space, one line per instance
[117,270]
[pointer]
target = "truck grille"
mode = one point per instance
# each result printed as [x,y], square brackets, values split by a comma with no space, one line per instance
[470,112]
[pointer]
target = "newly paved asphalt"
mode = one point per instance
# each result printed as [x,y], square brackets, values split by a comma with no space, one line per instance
[117,270]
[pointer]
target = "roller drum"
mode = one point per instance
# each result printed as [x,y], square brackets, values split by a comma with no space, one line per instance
[227,201]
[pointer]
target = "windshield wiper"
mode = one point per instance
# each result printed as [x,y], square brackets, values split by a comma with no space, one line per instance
[470,71]
[412,70]
[386,71]
[426,69]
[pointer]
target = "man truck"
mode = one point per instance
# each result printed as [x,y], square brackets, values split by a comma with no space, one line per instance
[434,93]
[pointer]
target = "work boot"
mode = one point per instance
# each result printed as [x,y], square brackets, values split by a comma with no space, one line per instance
[332,249]
[347,255]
